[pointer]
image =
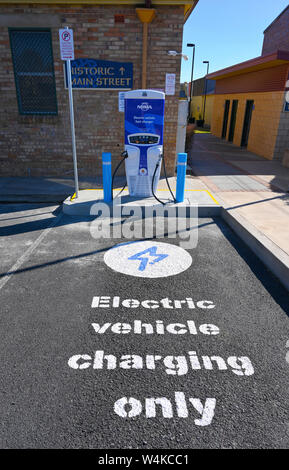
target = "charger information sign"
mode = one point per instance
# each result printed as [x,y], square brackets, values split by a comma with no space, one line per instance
[144,115]
[144,127]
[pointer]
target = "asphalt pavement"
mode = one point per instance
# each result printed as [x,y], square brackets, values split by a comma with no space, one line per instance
[148,345]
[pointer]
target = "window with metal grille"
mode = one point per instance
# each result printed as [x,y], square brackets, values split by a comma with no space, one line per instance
[33,70]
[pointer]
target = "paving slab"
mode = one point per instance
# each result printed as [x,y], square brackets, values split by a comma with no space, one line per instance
[272,173]
[266,211]
[237,183]
[248,185]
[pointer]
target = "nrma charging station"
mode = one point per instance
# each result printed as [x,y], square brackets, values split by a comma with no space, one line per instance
[144,129]
[143,154]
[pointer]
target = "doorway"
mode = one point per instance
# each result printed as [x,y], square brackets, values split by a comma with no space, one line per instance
[225,118]
[233,120]
[247,123]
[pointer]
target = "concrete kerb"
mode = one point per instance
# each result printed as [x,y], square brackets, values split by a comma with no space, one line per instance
[275,259]
[207,205]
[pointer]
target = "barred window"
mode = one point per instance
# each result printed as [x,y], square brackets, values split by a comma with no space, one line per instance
[34,71]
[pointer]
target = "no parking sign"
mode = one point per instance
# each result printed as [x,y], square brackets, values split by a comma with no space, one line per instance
[66,44]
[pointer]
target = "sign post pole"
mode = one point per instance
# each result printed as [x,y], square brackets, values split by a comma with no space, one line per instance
[67,54]
[68,63]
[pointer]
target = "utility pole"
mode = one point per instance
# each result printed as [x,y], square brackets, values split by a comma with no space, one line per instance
[192,77]
[205,62]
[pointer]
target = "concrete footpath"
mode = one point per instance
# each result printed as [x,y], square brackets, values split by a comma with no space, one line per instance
[252,192]
[50,189]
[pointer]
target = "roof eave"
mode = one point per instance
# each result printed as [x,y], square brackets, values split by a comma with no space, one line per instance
[258,63]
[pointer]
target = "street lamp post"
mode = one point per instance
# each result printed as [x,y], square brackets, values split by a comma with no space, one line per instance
[205,62]
[192,75]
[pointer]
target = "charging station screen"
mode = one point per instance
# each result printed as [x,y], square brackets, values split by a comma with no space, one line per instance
[143,139]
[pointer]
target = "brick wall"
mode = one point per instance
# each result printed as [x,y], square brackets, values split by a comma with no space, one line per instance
[41,145]
[282,140]
[277,36]
[264,123]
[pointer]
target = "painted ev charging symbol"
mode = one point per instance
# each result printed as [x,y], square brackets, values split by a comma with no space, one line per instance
[145,259]
[148,259]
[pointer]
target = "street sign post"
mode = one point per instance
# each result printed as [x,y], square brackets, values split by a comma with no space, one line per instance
[286,104]
[67,54]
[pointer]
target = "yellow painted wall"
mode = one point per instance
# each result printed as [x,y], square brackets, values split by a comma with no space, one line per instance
[264,123]
[198,102]
[209,110]
[196,106]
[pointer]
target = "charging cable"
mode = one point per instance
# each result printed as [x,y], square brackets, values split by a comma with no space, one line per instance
[124,155]
[167,181]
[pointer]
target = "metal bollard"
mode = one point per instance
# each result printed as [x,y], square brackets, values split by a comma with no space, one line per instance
[181,176]
[106,176]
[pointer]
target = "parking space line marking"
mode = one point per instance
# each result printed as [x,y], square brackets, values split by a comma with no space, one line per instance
[206,190]
[173,189]
[28,252]
[215,200]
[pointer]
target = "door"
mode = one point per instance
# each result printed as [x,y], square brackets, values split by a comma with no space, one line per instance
[225,119]
[233,120]
[247,123]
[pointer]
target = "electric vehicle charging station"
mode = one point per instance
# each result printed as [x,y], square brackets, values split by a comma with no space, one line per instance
[143,156]
[144,127]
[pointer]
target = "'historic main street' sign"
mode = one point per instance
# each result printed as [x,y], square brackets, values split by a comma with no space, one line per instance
[101,74]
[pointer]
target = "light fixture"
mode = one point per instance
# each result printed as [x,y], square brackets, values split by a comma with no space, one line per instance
[175,53]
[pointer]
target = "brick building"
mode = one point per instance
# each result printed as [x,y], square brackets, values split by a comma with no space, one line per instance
[250,108]
[276,35]
[35,136]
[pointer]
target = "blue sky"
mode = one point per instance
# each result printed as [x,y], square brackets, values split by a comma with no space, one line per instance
[226,32]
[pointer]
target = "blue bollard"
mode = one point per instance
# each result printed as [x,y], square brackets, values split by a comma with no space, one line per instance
[181,176]
[106,176]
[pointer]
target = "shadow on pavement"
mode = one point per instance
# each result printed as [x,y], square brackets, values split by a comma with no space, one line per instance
[268,280]
[263,274]
[284,197]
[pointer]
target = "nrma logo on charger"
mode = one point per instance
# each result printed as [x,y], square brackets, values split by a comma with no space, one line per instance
[144,106]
